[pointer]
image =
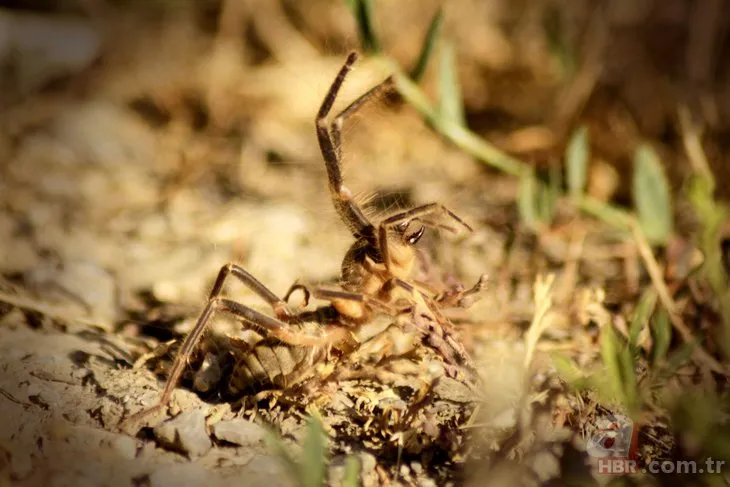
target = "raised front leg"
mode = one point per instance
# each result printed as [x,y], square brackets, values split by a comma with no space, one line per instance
[329,137]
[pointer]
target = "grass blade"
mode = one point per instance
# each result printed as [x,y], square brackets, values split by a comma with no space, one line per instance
[428,44]
[628,379]
[712,216]
[568,370]
[678,358]
[451,103]
[652,195]
[527,200]
[610,357]
[641,316]
[550,193]
[363,12]
[558,44]
[576,158]
[606,212]
[314,455]
[662,335]
[459,135]
[352,472]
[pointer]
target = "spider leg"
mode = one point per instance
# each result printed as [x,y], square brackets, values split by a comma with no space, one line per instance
[278,305]
[329,137]
[342,295]
[370,301]
[298,286]
[470,296]
[422,212]
[351,109]
[434,224]
[440,337]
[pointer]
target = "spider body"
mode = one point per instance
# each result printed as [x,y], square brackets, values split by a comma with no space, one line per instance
[375,279]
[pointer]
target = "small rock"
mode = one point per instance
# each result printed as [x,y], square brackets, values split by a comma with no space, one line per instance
[185,433]
[337,469]
[209,375]
[239,432]
[179,475]
[453,390]
[81,373]
[21,464]
[126,446]
[31,42]
[148,451]
[80,281]
[33,390]
[368,474]
[368,462]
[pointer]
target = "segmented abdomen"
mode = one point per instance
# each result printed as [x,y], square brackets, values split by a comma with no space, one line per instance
[271,364]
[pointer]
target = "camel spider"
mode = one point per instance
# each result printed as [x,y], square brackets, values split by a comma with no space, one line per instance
[379,262]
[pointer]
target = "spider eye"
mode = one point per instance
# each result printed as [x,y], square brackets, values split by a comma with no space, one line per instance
[402,227]
[415,237]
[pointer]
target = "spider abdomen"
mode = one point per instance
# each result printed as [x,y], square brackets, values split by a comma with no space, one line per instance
[271,365]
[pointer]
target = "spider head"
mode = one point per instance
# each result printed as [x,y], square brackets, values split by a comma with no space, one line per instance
[402,239]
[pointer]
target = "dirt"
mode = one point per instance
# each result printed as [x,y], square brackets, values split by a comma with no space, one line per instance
[176,140]
[63,395]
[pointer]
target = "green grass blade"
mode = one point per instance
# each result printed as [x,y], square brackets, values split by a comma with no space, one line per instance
[527,200]
[610,355]
[363,12]
[537,200]
[550,194]
[606,212]
[576,159]
[652,195]
[352,472]
[459,135]
[314,455]
[568,369]
[451,103]
[557,42]
[712,216]
[629,381]
[678,358]
[662,335]
[641,315]
[428,45]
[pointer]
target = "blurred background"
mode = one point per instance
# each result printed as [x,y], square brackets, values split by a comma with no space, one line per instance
[110,109]
[143,144]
